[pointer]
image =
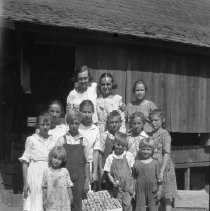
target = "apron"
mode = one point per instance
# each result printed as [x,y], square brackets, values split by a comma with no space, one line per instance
[121,171]
[75,163]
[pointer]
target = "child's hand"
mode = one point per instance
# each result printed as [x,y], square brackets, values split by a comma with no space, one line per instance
[94,176]
[158,195]
[116,183]
[86,187]
[71,199]
[26,190]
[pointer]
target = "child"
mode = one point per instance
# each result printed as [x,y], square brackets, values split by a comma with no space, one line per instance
[78,157]
[59,128]
[141,104]
[34,162]
[118,168]
[114,123]
[145,171]
[56,183]
[107,101]
[137,123]
[162,141]
[91,132]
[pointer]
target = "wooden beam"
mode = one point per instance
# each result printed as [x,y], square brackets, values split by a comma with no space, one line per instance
[190,165]
[187,179]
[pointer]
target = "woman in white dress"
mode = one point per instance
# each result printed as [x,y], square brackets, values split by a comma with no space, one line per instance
[34,162]
[84,90]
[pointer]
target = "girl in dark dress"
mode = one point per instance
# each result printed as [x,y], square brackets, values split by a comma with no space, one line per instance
[145,171]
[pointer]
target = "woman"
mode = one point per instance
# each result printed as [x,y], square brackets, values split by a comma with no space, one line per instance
[84,90]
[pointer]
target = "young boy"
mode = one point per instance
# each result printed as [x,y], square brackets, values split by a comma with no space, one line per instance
[118,169]
[77,159]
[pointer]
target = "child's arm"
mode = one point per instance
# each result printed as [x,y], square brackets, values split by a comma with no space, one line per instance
[44,191]
[26,187]
[70,194]
[87,174]
[112,179]
[100,164]
[95,164]
[165,159]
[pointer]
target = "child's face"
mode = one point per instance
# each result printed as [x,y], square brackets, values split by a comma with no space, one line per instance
[56,162]
[44,126]
[87,112]
[55,111]
[156,121]
[137,125]
[140,91]
[106,86]
[114,124]
[119,149]
[73,126]
[146,152]
[83,79]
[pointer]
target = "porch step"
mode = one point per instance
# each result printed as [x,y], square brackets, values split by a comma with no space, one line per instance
[192,199]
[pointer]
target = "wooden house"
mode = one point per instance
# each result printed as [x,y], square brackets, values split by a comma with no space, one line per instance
[164,43]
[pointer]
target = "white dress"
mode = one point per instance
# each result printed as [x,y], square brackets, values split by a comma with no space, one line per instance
[105,106]
[75,98]
[36,154]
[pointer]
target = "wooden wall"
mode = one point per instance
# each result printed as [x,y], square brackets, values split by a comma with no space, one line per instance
[178,83]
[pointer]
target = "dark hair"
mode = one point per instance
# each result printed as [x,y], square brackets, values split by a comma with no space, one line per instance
[43,115]
[139,82]
[81,69]
[113,114]
[108,75]
[121,139]
[86,103]
[57,152]
[58,102]
[140,115]
[160,113]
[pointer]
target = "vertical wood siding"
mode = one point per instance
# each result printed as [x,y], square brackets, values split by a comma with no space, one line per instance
[177,83]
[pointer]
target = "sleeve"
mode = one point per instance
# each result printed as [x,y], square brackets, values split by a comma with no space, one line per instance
[61,141]
[44,179]
[130,159]
[27,152]
[152,106]
[108,163]
[97,144]
[68,179]
[72,99]
[166,142]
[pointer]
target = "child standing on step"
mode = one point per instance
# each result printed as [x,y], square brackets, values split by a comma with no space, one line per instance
[56,183]
[162,140]
[118,168]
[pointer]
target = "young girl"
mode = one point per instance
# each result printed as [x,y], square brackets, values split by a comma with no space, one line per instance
[84,90]
[118,168]
[58,128]
[91,132]
[162,140]
[140,104]
[78,157]
[34,162]
[56,183]
[107,101]
[137,123]
[145,171]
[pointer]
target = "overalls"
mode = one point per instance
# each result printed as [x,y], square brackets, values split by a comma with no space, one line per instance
[75,163]
[121,171]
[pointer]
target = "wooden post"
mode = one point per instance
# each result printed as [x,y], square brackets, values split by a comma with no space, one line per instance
[187,179]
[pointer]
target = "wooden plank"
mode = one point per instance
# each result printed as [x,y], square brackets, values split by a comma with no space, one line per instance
[190,165]
[187,179]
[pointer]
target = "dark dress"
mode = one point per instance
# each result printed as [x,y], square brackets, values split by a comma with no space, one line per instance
[146,184]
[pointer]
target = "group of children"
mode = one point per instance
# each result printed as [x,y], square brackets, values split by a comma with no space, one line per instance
[61,162]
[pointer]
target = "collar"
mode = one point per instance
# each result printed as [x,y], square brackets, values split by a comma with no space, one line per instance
[91,127]
[119,156]
[109,134]
[78,136]
[41,139]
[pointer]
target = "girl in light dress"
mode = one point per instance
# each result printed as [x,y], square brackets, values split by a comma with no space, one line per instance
[162,140]
[56,183]
[145,171]
[140,104]
[34,162]
[137,133]
[84,90]
[107,101]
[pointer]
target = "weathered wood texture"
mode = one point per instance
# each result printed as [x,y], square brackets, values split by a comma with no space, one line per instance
[177,83]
